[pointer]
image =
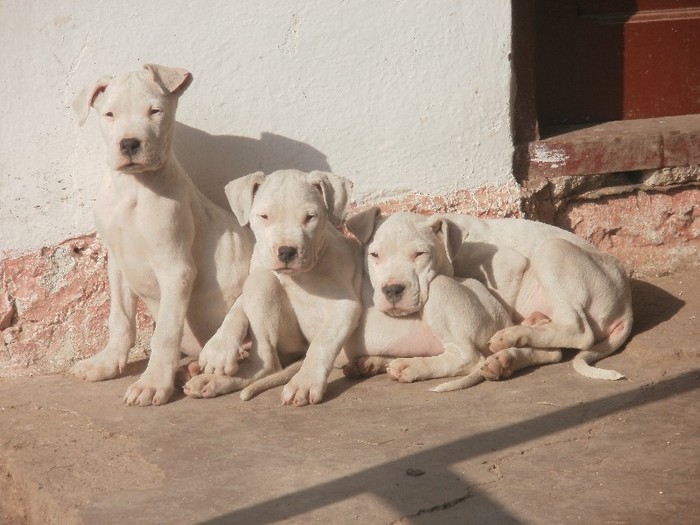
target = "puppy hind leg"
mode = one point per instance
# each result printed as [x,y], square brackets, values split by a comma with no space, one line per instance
[584,359]
[568,328]
[274,328]
[366,366]
[505,363]
[453,361]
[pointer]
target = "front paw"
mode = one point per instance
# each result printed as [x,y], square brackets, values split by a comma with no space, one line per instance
[99,367]
[149,391]
[402,370]
[222,359]
[513,336]
[303,389]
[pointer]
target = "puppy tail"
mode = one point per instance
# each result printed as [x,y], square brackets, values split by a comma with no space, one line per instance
[472,378]
[279,378]
[584,359]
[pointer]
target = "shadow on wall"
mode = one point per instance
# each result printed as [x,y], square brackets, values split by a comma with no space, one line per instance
[214,160]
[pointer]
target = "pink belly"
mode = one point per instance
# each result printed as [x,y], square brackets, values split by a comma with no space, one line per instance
[532,299]
[395,337]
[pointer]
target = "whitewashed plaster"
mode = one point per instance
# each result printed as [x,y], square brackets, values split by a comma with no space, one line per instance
[397,95]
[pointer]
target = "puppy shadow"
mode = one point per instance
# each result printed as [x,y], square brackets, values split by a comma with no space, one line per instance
[214,160]
[134,368]
[338,386]
[652,306]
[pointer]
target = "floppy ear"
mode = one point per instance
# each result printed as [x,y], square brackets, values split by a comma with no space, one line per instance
[171,80]
[86,99]
[362,224]
[240,193]
[336,192]
[449,234]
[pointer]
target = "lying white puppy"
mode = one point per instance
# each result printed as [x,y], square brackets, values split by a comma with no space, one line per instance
[563,291]
[419,322]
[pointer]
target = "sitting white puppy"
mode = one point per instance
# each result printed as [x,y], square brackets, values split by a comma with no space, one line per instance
[301,298]
[168,245]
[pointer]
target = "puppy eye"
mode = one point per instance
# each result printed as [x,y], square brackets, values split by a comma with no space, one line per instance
[155,111]
[109,114]
[419,254]
[263,216]
[374,255]
[309,217]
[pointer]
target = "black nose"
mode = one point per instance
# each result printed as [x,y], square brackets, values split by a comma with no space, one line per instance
[286,253]
[393,292]
[129,147]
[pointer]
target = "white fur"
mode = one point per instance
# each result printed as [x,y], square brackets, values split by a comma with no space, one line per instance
[300,305]
[168,245]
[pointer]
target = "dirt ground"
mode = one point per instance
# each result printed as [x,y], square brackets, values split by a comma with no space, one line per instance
[547,446]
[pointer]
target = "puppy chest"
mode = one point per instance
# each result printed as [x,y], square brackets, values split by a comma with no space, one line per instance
[397,336]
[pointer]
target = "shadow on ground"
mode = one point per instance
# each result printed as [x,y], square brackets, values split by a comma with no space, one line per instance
[381,479]
[652,306]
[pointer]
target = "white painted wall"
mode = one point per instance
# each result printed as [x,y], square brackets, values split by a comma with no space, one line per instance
[397,95]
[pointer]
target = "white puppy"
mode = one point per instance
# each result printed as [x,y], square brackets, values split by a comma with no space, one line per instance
[419,322]
[302,295]
[563,291]
[167,244]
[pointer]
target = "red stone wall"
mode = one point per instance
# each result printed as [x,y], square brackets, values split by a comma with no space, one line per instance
[54,305]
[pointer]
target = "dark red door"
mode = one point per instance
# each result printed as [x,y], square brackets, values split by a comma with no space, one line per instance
[601,60]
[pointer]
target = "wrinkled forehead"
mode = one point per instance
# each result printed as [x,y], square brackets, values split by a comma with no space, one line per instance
[132,90]
[289,191]
[403,230]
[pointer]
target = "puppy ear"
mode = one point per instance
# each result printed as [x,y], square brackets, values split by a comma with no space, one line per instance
[171,80]
[362,224]
[336,192]
[240,193]
[449,234]
[87,97]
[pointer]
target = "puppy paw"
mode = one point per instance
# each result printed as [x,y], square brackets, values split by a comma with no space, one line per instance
[366,367]
[498,366]
[149,391]
[99,367]
[513,336]
[203,386]
[302,390]
[189,368]
[222,359]
[402,370]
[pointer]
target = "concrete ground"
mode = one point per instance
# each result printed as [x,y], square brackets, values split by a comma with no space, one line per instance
[547,446]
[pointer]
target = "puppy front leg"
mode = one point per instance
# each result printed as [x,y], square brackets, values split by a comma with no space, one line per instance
[309,384]
[157,383]
[111,360]
[222,354]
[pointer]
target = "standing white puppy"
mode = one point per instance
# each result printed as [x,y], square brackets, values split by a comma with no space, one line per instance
[185,257]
